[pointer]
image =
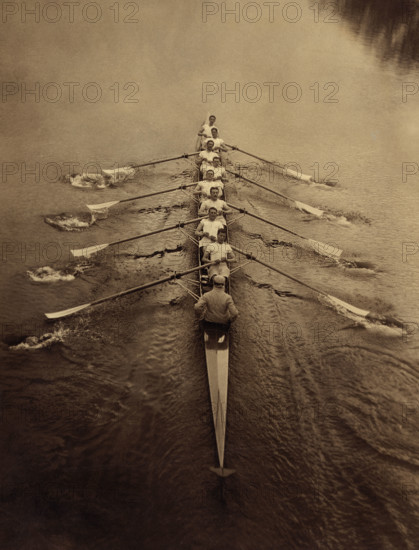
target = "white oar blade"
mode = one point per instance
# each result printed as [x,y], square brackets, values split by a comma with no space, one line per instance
[309,209]
[343,307]
[297,175]
[66,312]
[101,206]
[324,249]
[89,251]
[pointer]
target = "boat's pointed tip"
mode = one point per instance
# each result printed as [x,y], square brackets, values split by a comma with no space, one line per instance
[222,472]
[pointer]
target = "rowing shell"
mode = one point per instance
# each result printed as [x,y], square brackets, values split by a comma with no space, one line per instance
[216,342]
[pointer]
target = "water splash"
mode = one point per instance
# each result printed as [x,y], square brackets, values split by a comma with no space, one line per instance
[106,178]
[44,341]
[71,222]
[48,274]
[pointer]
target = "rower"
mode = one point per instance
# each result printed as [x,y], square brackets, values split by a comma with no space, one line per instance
[216,306]
[208,228]
[206,156]
[203,188]
[215,202]
[220,252]
[218,142]
[206,128]
[219,171]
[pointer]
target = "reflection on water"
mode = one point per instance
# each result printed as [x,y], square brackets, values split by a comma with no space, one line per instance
[390,27]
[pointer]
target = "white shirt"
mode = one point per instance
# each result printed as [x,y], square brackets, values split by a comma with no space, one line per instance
[212,228]
[219,172]
[206,129]
[218,250]
[217,142]
[208,155]
[205,186]
[218,204]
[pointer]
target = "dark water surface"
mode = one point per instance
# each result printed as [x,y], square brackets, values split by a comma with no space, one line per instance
[107,434]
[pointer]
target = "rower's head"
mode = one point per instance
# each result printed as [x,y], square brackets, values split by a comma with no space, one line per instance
[216,161]
[210,145]
[212,213]
[218,281]
[214,132]
[209,175]
[214,193]
[212,120]
[221,235]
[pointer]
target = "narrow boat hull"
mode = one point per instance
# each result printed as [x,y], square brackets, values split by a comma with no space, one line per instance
[216,339]
[216,342]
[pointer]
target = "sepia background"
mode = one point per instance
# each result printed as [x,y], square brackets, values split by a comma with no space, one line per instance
[106,427]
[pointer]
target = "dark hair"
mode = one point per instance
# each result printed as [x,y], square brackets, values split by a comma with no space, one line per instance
[214,187]
[212,208]
[222,230]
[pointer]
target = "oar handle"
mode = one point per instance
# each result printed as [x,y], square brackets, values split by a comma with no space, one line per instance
[185,155]
[235,148]
[184,186]
[171,277]
[260,185]
[250,256]
[244,211]
[179,224]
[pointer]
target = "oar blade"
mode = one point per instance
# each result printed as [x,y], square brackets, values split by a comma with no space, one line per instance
[298,175]
[66,312]
[89,251]
[324,249]
[309,209]
[344,307]
[102,206]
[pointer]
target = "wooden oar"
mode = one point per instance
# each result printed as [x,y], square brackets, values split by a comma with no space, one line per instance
[296,204]
[184,156]
[291,173]
[88,251]
[113,203]
[72,310]
[319,247]
[340,305]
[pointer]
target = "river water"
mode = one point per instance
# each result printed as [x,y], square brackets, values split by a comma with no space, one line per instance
[107,432]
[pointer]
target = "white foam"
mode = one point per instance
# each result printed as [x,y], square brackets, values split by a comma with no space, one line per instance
[47,274]
[69,223]
[44,341]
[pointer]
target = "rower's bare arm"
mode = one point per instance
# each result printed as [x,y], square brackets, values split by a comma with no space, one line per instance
[199,232]
[231,257]
[198,189]
[202,211]
[206,257]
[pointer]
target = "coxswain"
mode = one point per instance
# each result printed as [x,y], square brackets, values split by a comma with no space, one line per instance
[208,228]
[215,202]
[220,252]
[203,187]
[219,171]
[216,306]
[206,128]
